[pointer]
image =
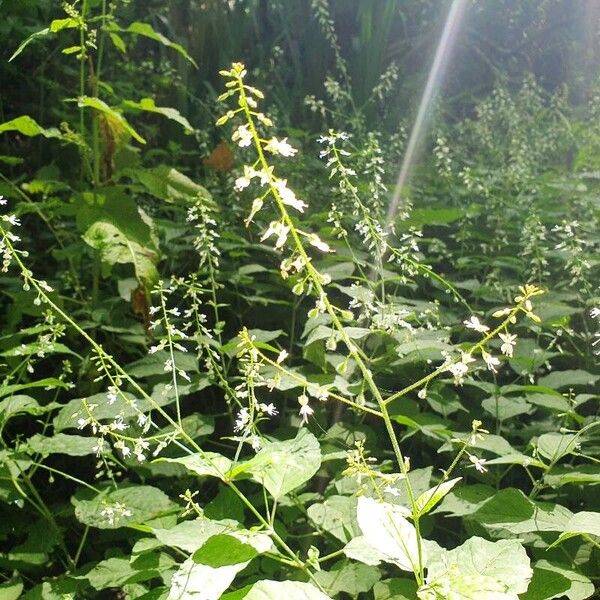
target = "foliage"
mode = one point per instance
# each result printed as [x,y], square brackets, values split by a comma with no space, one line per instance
[226,373]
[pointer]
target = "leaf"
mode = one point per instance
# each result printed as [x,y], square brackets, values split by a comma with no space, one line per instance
[170,185]
[511,510]
[25,125]
[555,580]
[283,466]
[385,527]
[49,382]
[229,549]
[581,523]
[207,464]
[60,443]
[359,549]
[395,589]
[123,507]
[19,404]
[480,570]
[191,535]
[146,30]
[337,516]
[466,500]
[148,105]
[213,567]
[11,590]
[111,113]
[568,378]
[117,572]
[115,247]
[278,590]
[428,500]
[503,408]
[554,446]
[353,579]
[55,26]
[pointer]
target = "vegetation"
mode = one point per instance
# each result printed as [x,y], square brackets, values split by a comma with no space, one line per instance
[228,371]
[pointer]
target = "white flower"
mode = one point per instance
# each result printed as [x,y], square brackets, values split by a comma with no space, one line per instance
[595,313]
[287,196]
[2,201]
[476,324]
[305,410]
[282,356]
[255,443]
[316,241]
[479,463]
[269,409]
[12,219]
[509,340]
[281,147]
[111,395]
[491,361]
[422,394]
[242,136]
[242,420]
[461,368]
[278,229]
[244,180]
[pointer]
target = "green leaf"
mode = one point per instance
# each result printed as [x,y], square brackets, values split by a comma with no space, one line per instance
[11,590]
[385,527]
[581,523]
[197,581]
[278,590]
[191,535]
[19,404]
[60,443]
[223,550]
[49,382]
[555,580]
[427,501]
[115,247]
[148,105]
[123,507]
[25,125]
[337,516]
[146,30]
[111,113]
[395,589]
[170,185]
[503,408]
[359,549]
[569,378]
[55,26]
[353,579]
[479,570]
[466,500]
[283,466]
[554,446]
[511,510]
[207,464]
[117,572]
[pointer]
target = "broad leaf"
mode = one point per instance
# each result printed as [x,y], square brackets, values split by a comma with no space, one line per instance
[148,105]
[25,125]
[337,516]
[478,570]
[385,527]
[115,116]
[428,500]
[123,507]
[278,590]
[283,466]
